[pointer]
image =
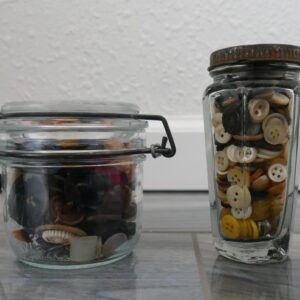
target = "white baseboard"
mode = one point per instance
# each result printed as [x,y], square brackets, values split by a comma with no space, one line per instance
[187,169]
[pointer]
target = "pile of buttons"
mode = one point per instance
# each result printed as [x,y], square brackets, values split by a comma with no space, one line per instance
[251,135]
[75,214]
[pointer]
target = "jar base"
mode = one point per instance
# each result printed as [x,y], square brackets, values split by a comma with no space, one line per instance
[251,253]
[74,266]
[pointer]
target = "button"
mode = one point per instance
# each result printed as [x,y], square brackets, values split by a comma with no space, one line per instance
[276,189]
[279,99]
[275,120]
[244,228]
[255,233]
[258,109]
[275,135]
[113,243]
[231,119]
[221,161]
[216,119]
[238,197]
[246,138]
[230,227]
[260,210]
[241,213]
[260,184]
[277,172]
[240,177]
[245,154]
[267,154]
[224,211]
[221,136]
[257,173]
[230,151]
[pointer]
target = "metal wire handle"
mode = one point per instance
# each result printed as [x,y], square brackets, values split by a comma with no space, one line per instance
[155,150]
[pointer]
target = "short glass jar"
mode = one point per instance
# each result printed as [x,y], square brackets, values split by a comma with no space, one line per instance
[252,123]
[72,180]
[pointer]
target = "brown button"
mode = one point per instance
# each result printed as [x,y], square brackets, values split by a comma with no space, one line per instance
[276,189]
[256,174]
[258,109]
[261,183]
[248,138]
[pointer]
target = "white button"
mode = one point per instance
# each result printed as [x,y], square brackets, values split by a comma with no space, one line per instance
[221,161]
[216,119]
[258,109]
[238,197]
[241,213]
[279,99]
[245,154]
[275,135]
[277,172]
[275,120]
[230,151]
[221,136]
[238,176]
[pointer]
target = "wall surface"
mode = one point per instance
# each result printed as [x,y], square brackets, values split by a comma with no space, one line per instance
[153,53]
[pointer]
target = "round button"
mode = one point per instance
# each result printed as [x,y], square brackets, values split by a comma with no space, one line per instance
[240,177]
[255,233]
[258,109]
[241,213]
[230,227]
[238,197]
[221,136]
[221,161]
[279,99]
[230,151]
[275,120]
[275,135]
[245,154]
[276,189]
[277,172]
[216,119]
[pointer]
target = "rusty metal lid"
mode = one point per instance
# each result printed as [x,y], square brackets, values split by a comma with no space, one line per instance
[255,53]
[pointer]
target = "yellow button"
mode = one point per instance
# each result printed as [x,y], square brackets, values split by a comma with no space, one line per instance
[255,233]
[244,229]
[230,227]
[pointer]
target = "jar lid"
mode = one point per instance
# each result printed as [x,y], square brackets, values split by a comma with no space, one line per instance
[66,128]
[255,53]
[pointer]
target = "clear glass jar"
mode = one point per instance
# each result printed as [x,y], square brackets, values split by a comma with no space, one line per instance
[72,181]
[251,116]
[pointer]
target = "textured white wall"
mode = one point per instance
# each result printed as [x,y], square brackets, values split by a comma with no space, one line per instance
[154,53]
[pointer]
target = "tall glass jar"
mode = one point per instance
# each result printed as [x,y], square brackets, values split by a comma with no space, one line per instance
[72,180]
[251,115]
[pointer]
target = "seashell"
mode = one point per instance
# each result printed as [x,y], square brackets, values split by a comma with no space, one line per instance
[70,229]
[58,236]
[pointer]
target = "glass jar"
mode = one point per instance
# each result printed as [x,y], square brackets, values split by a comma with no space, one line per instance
[72,180]
[251,116]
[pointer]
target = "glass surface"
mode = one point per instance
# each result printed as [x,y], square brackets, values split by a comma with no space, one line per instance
[252,144]
[73,216]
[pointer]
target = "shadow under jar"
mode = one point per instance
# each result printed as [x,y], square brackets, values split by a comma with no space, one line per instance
[72,180]
[251,125]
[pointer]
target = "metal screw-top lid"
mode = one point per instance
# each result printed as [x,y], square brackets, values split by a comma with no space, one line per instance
[255,53]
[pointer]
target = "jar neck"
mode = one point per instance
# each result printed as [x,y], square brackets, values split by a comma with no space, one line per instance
[260,71]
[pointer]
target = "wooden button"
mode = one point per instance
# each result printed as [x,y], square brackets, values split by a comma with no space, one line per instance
[261,183]
[275,135]
[276,189]
[279,99]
